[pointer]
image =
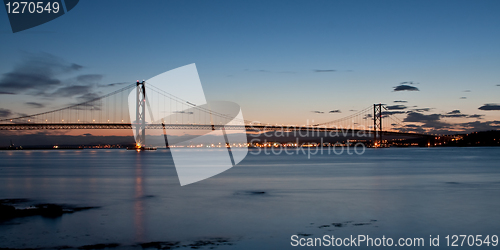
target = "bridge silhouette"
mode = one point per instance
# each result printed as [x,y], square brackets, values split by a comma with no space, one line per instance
[111,111]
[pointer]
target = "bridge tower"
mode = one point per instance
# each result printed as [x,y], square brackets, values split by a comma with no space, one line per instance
[140,114]
[377,125]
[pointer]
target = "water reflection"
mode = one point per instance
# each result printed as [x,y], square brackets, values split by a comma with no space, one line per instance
[139,201]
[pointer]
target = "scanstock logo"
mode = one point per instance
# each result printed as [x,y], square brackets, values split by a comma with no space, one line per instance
[24,14]
[204,138]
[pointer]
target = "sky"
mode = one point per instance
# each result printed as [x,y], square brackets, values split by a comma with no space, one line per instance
[285,62]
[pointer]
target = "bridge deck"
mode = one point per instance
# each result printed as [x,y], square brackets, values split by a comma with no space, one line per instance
[250,128]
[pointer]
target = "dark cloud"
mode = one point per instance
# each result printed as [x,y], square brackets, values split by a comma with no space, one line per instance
[432,121]
[422,109]
[183,112]
[36,74]
[454,115]
[35,104]
[389,113]
[318,112]
[87,97]
[412,126]
[324,70]
[498,85]
[112,84]
[408,83]
[481,126]
[457,114]
[396,107]
[335,111]
[400,101]
[6,93]
[467,90]
[475,116]
[490,107]
[352,110]
[405,88]
[269,71]
[463,97]
[4,113]
[70,91]
[89,78]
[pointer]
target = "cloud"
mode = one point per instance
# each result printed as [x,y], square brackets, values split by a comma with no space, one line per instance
[405,88]
[498,85]
[70,91]
[422,109]
[396,107]
[352,110]
[490,106]
[269,71]
[400,101]
[389,113]
[457,114]
[318,112]
[454,114]
[433,120]
[481,126]
[6,93]
[4,113]
[467,90]
[408,83]
[463,97]
[112,84]
[324,70]
[46,75]
[36,74]
[475,116]
[35,104]
[89,78]
[335,111]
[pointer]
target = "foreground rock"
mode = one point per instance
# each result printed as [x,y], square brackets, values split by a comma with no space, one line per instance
[13,208]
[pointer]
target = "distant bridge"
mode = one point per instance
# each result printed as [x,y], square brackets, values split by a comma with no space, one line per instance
[112,112]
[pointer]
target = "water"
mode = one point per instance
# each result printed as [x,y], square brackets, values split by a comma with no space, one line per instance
[260,203]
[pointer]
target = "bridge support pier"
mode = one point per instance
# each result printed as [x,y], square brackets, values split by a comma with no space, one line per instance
[377,125]
[140,115]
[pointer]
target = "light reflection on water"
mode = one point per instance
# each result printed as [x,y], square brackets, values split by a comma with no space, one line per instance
[411,192]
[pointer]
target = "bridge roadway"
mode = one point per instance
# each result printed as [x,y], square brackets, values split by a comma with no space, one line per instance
[248,128]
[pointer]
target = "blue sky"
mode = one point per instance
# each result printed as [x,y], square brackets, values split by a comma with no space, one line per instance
[264,54]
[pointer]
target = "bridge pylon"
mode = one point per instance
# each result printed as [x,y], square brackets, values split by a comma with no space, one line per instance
[377,125]
[140,115]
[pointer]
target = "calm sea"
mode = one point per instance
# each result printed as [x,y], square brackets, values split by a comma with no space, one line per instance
[258,204]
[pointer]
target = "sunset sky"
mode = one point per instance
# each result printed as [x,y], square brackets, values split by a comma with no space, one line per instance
[279,60]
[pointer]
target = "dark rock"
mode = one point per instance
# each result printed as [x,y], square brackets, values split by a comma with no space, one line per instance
[160,245]
[100,246]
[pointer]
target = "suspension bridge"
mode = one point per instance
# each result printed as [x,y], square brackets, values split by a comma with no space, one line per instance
[111,111]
